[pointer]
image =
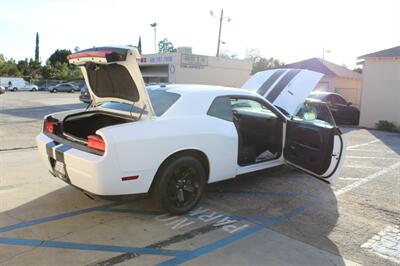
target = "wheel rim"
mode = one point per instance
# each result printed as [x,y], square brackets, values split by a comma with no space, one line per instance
[183,186]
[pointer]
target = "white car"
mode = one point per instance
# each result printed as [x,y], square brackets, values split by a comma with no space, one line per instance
[173,139]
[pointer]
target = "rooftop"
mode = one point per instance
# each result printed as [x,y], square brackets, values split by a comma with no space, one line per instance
[391,52]
[325,67]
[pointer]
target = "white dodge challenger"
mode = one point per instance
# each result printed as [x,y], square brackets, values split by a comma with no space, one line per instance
[172,140]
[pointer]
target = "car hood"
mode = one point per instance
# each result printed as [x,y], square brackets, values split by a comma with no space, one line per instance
[112,74]
[286,88]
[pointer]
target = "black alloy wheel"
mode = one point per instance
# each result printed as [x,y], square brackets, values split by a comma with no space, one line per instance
[180,185]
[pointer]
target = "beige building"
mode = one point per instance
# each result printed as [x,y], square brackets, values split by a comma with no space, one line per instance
[380,97]
[337,78]
[183,66]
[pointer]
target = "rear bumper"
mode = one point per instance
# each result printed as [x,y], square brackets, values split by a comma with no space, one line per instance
[99,175]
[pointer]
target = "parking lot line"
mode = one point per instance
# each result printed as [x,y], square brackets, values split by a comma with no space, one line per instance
[362,166]
[375,158]
[54,217]
[362,144]
[87,246]
[366,179]
[373,151]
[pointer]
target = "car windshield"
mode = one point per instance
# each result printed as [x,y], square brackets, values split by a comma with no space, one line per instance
[161,100]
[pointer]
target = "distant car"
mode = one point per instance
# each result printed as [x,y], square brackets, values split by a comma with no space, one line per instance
[343,112]
[64,87]
[85,95]
[26,87]
[2,90]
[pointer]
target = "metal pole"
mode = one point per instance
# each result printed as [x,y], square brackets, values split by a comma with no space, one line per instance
[220,27]
[155,39]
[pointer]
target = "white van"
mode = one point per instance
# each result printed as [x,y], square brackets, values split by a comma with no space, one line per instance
[15,84]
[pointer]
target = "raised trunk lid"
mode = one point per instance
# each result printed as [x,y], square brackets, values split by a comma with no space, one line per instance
[286,88]
[112,74]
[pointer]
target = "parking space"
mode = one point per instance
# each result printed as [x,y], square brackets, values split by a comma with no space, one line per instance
[274,217]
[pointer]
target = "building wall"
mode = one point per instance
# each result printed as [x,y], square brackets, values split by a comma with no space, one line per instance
[196,69]
[349,88]
[219,71]
[380,94]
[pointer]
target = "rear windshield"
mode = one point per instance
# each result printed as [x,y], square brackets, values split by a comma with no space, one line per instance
[161,100]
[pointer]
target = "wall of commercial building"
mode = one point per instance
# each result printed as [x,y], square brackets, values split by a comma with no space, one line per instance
[218,71]
[380,93]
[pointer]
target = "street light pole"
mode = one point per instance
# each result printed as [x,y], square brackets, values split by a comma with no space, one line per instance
[219,33]
[221,18]
[154,26]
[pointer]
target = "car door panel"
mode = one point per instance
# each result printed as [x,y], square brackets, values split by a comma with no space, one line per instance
[309,146]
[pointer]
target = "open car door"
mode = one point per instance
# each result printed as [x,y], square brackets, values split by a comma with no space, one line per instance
[314,144]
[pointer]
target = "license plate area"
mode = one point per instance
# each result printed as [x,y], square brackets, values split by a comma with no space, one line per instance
[60,171]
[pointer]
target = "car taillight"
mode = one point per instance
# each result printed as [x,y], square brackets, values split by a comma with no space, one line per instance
[96,142]
[50,126]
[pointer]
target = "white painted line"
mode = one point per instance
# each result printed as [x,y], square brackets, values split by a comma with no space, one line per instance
[385,244]
[375,158]
[367,179]
[374,151]
[362,166]
[350,178]
[362,144]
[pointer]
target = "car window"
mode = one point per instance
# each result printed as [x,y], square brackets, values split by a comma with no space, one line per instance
[251,106]
[316,113]
[221,108]
[336,99]
[161,100]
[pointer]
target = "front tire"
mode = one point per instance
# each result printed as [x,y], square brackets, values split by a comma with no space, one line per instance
[180,185]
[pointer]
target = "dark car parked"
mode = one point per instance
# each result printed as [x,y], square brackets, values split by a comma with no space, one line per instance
[343,112]
[64,87]
[85,95]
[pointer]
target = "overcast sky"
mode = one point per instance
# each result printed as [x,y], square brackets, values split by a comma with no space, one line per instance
[290,30]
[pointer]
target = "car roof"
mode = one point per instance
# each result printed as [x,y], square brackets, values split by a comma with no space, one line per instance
[195,100]
[211,90]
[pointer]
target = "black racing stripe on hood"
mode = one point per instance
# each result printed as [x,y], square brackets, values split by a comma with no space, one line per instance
[276,91]
[271,80]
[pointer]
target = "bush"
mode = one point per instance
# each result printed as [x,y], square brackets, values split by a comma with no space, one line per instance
[385,126]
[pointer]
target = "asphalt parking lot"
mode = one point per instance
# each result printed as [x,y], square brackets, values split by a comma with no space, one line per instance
[274,217]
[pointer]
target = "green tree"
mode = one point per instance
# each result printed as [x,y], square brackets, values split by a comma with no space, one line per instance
[358,70]
[260,63]
[139,45]
[37,47]
[59,56]
[165,46]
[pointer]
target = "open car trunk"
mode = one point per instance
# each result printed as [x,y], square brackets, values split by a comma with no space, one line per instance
[79,126]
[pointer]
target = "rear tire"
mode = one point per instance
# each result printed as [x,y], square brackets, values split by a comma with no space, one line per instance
[179,185]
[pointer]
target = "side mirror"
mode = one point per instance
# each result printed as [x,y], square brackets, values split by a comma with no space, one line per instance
[349,103]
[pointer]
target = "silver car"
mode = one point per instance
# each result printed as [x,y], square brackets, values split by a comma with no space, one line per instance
[64,87]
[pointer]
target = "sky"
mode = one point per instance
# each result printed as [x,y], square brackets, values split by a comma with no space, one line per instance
[289,30]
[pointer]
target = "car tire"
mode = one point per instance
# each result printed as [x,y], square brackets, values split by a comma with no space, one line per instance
[179,185]
[54,90]
[72,91]
[14,89]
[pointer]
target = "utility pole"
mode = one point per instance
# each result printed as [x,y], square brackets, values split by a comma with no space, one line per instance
[221,18]
[154,26]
